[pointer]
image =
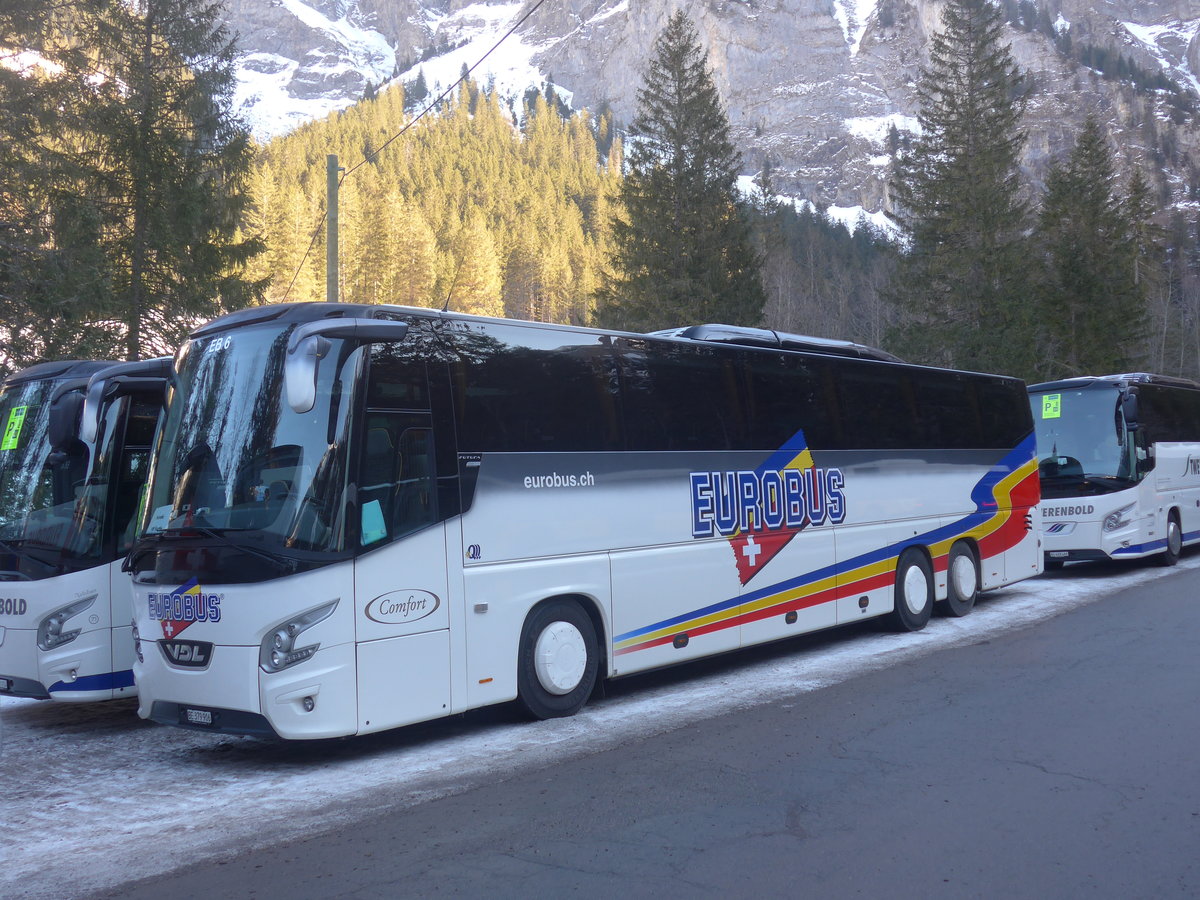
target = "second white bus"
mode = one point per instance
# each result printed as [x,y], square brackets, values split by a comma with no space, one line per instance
[71,477]
[1120,467]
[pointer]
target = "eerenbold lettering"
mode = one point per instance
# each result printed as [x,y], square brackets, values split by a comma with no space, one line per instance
[13,606]
[1059,511]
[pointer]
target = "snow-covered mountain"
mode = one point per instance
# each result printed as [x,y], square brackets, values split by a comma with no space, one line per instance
[816,86]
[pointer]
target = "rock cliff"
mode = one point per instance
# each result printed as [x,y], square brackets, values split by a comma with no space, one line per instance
[816,86]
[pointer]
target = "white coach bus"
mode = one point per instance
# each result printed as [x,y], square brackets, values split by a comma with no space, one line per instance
[362,517]
[71,476]
[1120,466]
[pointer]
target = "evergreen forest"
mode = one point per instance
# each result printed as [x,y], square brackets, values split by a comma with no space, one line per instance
[130,216]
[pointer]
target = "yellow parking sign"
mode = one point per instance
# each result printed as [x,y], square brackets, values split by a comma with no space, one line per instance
[1051,406]
[12,430]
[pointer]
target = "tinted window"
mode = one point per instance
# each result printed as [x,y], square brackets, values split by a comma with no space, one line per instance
[877,407]
[680,397]
[534,390]
[1004,413]
[786,394]
[1169,414]
[948,410]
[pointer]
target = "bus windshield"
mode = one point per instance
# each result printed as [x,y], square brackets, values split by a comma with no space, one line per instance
[234,456]
[53,499]
[1081,435]
[37,486]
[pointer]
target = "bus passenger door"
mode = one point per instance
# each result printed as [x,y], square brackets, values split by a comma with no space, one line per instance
[400,586]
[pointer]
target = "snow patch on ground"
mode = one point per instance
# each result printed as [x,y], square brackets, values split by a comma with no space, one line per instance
[95,797]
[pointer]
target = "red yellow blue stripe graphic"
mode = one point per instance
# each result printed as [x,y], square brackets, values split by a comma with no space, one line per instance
[1002,498]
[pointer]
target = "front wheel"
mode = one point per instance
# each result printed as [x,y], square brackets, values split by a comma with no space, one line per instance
[558,660]
[962,581]
[1170,556]
[914,591]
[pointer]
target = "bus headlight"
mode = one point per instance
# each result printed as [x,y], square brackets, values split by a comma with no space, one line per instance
[1118,519]
[50,632]
[278,650]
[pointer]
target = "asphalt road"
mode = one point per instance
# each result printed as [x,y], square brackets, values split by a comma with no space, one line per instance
[1056,761]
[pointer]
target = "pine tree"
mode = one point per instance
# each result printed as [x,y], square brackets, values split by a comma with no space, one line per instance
[960,289]
[177,164]
[54,275]
[682,246]
[1093,300]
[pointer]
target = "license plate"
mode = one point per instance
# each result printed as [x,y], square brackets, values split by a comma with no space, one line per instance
[198,716]
[1058,554]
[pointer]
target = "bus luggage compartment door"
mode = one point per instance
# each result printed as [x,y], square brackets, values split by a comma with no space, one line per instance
[403,680]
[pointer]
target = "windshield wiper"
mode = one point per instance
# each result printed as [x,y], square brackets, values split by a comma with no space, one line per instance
[19,549]
[284,563]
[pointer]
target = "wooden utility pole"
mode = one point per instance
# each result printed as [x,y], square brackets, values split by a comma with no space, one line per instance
[331,227]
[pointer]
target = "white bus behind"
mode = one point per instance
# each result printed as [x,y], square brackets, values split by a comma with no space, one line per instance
[1120,466]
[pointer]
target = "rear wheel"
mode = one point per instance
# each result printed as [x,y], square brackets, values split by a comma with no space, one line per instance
[1170,556]
[558,661]
[962,580]
[914,591]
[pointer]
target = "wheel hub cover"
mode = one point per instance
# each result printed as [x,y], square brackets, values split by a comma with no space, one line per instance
[964,576]
[559,658]
[916,589]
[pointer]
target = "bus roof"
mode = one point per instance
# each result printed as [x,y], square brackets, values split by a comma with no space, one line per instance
[778,340]
[1115,381]
[713,333]
[69,368]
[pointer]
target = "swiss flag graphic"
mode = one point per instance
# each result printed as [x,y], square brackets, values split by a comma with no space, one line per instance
[172,627]
[753,550]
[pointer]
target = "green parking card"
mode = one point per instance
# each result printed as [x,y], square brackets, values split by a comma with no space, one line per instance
[1051,406]
[12,430]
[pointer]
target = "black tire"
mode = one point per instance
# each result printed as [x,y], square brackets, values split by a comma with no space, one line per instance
[914,578]
[1170,556]
[962,580]
[1053,565]
[558,661]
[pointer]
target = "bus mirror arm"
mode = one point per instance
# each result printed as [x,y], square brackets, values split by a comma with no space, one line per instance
[123,379]
[309,344]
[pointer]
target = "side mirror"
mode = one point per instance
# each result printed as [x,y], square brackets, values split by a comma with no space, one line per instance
[1129,409]
[64,413]
[120,380]
[309,344]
